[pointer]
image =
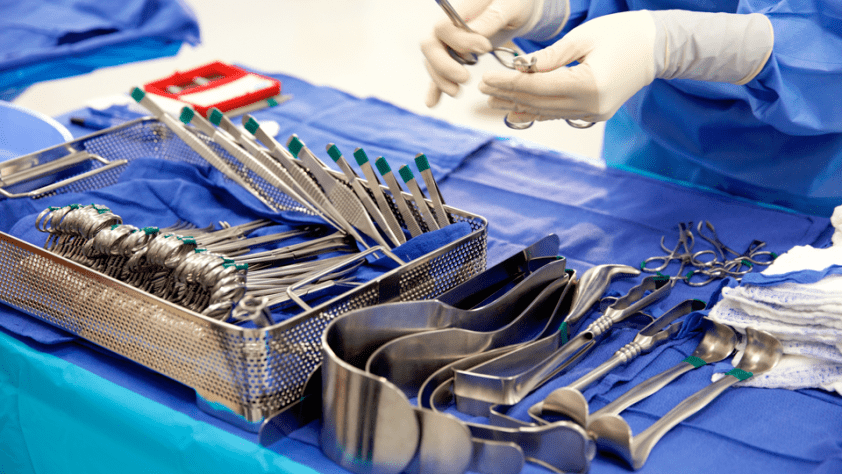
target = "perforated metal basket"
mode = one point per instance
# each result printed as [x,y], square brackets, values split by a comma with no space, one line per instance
[251,373]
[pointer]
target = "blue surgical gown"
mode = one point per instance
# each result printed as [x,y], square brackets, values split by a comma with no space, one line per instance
[776,140]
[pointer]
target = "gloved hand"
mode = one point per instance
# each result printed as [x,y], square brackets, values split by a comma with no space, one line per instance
[621,53]
[494,23]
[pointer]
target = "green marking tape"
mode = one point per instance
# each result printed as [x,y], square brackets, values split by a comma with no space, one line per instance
[237,266]
[422,163]
[334,152]
[361,157]
[746,263]
[188,240]
[73,207]
[642,265]
[774,255]
[138,94]
[689,275]
[150,230]
[199,250]
[115,226]
[295,146]
[272,102]
[383,166]
[53,208]
[739,373]
[215,116]
[406,173]
[563,330]
[695,361]
[252,125]
[186,114]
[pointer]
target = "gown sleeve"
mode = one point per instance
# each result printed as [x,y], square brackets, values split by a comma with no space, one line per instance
[799,90]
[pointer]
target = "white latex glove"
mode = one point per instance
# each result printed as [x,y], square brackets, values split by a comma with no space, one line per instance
[494,22]
[621,53]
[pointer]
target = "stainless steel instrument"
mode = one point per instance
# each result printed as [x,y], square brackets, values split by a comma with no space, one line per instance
[408,360]
[369,426]
[761,354]
[566,401]
[244,375]
[717,344]
[508,378]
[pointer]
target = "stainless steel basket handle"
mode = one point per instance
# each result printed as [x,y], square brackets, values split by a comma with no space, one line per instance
[54,166]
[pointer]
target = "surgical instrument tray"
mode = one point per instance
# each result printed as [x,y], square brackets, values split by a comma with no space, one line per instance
[241,374]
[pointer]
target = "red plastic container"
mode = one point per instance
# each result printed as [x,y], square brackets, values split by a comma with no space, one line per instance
[217,84]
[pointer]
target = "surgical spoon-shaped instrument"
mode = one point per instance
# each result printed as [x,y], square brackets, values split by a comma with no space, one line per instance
[718,343]
[761,354]
[569,402]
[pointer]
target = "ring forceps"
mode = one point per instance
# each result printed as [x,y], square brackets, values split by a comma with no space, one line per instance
[683,252]
[714,269]
[750,255]
[506,56]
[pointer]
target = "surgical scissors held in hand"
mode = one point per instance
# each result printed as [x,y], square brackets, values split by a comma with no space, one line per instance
[508,57]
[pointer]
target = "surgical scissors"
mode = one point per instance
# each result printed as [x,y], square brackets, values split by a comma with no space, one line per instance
[508,57]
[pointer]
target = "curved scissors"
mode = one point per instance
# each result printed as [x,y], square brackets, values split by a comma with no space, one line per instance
[506,56]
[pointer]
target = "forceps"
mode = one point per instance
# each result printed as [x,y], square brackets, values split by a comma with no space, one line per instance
[506,56]
[712,269]
[715,269]
[750,255]
[685,242]
[729,268]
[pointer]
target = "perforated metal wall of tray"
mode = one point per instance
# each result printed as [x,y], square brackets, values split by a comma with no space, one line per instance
[251,372]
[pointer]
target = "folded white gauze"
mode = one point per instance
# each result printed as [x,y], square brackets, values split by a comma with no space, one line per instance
[733,314]
[805,317]
[796,372]
[793,303]
[836,220]
[805,257]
